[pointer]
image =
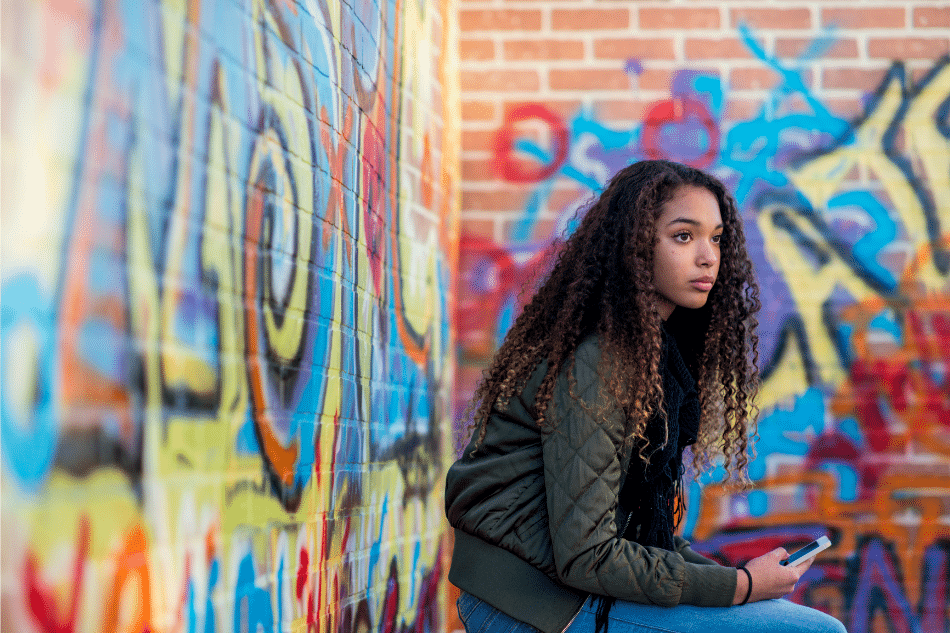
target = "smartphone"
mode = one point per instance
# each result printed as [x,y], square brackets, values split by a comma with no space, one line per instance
[820,544]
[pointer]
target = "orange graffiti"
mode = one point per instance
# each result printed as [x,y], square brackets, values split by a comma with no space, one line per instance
[281,458]
[131,565]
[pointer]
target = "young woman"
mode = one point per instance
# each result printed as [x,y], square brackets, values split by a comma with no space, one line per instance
[639,343]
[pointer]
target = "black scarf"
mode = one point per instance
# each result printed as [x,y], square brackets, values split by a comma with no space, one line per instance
[652,493]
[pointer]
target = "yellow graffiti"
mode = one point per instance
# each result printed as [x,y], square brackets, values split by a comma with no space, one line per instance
[823,280]
[812,284]
[183,367]
[174,539]
[932,149]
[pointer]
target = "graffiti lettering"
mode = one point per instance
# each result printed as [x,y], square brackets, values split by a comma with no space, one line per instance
[848,230]
[250,316]
[694,128]
[516,170]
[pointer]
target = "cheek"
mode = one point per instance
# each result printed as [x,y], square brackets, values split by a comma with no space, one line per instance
[660,264]
[669,260]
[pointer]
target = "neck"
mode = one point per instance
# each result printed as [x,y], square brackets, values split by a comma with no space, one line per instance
[665,308]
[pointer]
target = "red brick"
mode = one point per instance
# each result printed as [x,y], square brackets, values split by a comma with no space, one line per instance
[771,18]
[932,17]
[505,198]
[842,48]
[589,19]
[478,169]
[752,78]
[654,79]
[567,198]
[759,78]
[852,78]
[544,49]
[622,109]
[716,48]
[845,108]
[478,111]
[797,103]
[499,20]
[540,229]
[476,50]
[478,228]
[907,47]
[588,79]
[564,108]
[679,18]
[478,141]
[742,109]
[500,80]
[865,17]
[655,48]
[533,131]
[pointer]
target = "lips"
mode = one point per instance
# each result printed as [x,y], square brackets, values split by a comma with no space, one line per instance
[704,284]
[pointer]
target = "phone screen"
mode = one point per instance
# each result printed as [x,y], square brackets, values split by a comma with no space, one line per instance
[802,553]
[818,545]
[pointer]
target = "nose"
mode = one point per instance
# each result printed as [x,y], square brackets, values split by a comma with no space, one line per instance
[707,255]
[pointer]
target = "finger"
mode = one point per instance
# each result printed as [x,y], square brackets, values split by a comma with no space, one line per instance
[779,552]
[803,567]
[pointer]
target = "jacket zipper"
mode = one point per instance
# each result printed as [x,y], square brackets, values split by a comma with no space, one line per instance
[626,524]
[574,617]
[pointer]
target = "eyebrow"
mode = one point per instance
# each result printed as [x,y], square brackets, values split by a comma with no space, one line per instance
[689,221]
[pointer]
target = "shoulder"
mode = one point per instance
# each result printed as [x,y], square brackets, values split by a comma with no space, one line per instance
[585,372]
[588,352]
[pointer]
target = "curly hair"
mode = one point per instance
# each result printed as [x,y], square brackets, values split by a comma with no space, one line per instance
[600,282]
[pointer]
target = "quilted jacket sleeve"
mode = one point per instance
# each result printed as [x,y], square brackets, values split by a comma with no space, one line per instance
[690,555]
[583,473]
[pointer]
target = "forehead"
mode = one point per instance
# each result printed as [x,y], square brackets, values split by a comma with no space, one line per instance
[691,204]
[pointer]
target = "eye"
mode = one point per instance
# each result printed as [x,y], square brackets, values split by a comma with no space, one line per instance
[682,237]
[717,239]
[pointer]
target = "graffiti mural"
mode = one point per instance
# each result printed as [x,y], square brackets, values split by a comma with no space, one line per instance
[229,230]
[849,226]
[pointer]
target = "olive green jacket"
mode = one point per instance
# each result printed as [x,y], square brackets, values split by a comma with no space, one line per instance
[536,516]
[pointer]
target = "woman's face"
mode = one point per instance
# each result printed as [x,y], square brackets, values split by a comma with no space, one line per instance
[686,254]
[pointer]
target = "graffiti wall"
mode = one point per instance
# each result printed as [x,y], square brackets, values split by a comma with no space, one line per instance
[844,194]
[228,231]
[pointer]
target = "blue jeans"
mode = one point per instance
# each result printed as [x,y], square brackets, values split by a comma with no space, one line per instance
[629,617]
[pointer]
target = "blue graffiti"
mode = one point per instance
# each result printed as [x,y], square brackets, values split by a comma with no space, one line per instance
[29,437]
[752,149]
[209,614]
[252,605]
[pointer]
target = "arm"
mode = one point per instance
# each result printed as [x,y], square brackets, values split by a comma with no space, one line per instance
[583,474]
[692,556]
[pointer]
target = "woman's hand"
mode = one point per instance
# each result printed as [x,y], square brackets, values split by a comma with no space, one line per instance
[769,578]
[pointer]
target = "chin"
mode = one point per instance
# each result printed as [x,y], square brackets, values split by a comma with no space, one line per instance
[693,303]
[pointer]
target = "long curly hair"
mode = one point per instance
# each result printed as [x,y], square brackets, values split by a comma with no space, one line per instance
[600,282]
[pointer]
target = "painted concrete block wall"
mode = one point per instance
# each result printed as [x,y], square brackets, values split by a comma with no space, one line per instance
[829,120]
[228,235]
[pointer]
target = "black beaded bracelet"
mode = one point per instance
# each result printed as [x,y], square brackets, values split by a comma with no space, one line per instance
[748,594]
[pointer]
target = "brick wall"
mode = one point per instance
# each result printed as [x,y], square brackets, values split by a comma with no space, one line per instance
[228,236]
[829,121]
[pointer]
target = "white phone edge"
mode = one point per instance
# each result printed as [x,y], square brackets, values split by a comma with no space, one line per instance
[823,543]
